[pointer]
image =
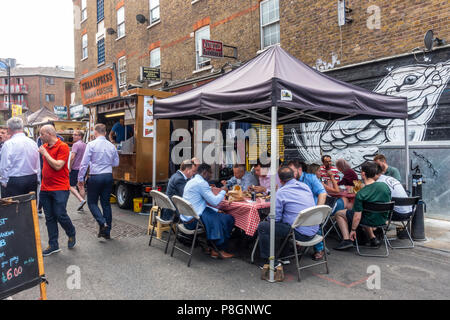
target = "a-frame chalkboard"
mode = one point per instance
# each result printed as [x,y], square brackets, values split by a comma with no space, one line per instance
[21,262]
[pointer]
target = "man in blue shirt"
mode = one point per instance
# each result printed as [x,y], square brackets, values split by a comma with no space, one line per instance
[293,197]
[218,225]
[319,193]
[117,134]
[241,178]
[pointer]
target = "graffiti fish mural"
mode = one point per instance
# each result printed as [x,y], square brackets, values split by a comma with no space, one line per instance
[358,141]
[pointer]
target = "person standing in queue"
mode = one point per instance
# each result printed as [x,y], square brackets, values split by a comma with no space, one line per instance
[55,188]
[19,165]
[77,153]
[100,156]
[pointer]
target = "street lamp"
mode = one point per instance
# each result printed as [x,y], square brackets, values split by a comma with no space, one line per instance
[8,68]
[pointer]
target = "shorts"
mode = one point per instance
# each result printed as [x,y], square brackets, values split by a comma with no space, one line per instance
[73,177]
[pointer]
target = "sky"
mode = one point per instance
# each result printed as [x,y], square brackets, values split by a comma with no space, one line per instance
[37,33]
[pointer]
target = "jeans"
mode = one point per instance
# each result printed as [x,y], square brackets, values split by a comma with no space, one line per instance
[218,227]
[338,206]
[100,186]
[54,204]
[281,231]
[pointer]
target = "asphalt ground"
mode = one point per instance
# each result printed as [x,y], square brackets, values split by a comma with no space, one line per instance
[126,268]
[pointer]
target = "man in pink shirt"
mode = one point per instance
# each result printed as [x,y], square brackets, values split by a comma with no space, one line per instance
[261,172]
[76,156]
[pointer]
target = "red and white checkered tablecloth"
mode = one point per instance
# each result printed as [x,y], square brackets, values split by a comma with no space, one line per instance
[245,213]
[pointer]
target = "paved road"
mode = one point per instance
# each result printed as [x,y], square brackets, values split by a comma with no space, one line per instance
[127,268]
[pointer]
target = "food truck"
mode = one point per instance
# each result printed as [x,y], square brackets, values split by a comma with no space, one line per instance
[133,176]
[64,128]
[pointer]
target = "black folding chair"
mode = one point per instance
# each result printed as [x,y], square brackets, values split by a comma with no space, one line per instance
[377,207]
[406,221]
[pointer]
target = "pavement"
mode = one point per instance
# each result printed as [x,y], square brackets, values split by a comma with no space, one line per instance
[127,268]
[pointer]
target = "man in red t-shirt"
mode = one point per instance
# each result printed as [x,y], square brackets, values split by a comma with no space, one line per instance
[55,188]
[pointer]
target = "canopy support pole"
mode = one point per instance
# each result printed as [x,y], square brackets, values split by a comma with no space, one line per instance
[155,125]
[273,173]
[406,154]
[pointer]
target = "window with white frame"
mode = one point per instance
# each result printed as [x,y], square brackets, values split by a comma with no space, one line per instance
[101,51]
[201,34]
[83,10]
[84,46]
[19,80]
[121,22]
[122,68]
[154,11]
[20,99]
[100,10]
[155,58]
[270,23]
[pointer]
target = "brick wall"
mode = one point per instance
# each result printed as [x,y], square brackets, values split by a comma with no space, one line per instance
[309,31]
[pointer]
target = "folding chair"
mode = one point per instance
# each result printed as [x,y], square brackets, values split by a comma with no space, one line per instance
[407,221]
[162,201]
[307,218]
[377,207]
[186,209]
[331,202]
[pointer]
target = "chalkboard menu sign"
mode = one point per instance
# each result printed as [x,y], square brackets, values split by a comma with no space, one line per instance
[21,263]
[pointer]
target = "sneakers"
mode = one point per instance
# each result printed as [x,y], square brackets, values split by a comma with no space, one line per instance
[40,213]
[103,232]
[50,251]
[344,245]
[373,243]
[80,207]
[71,243]
[284,262]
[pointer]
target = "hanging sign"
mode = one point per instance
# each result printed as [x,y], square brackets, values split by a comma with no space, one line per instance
[148,117]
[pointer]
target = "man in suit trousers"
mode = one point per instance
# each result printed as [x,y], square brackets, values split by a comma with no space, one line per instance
[176,185]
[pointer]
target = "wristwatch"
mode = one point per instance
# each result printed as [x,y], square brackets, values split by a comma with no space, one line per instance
[354,230]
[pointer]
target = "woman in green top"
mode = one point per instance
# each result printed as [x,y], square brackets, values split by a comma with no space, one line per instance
[372,192]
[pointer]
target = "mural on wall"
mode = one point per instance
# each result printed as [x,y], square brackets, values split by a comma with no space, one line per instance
[358,141]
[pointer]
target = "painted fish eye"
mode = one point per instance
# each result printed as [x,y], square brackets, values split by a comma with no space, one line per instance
[409,80]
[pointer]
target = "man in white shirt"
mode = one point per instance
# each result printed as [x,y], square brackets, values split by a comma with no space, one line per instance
[19,164]
[397,191]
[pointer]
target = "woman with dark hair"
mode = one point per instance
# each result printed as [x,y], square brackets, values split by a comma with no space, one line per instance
[349,175]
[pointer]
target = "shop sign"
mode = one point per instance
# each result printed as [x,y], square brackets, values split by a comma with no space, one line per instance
[60,111]
[78,111]
[212,49]
[99,86]
[150,74]
[16,110]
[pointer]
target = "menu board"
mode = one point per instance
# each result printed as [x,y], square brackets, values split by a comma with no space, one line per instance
[20,253]
[148,117]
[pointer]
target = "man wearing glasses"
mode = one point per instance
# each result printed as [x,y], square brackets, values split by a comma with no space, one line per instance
[76,156]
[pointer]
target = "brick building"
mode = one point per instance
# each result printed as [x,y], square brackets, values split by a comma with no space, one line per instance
[381,49]
[34,88]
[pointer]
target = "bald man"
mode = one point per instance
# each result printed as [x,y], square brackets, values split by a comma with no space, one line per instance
[55,188]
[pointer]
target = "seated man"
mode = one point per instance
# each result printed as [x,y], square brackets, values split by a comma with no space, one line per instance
[372,192]
[176,185]
[261,172]
[318,190]
[326,168]
[397,191]
[293,197]
[241,178]
[218,225]
[387,170]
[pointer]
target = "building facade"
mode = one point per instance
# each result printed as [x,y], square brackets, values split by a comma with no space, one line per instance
[35,88]
[379,47]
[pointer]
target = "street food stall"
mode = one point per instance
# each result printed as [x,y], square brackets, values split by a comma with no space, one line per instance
[64,128]
[133,108]
[276,88]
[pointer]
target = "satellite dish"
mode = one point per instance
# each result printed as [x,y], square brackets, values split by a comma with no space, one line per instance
[429,40]
[110,31]
[141,18]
